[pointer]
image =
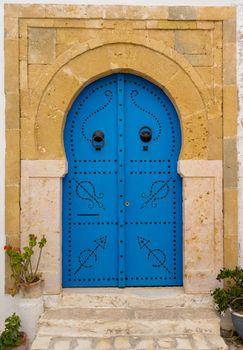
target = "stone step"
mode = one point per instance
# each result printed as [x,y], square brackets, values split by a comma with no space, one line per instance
[100,322]
[177,341]
[151,298]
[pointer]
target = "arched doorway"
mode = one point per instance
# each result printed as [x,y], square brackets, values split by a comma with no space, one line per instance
[122,196]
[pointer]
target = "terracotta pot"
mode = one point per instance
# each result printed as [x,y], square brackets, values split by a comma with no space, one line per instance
[32,290]
[24,345]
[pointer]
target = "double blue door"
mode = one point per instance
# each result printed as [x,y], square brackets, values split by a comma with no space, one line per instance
[122,196]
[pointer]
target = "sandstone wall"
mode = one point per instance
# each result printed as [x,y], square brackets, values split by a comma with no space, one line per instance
[53,51]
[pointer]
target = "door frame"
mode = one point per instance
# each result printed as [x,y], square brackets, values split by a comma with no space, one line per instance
[202,179]
[24,93]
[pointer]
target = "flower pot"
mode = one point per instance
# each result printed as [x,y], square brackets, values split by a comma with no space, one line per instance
[237,315]
[24,345]
[237,320]
[226,324]
[32,290]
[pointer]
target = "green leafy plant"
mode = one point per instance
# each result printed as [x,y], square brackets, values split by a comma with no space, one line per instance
[11,336]
[237,305]
[24,271]
[233,289]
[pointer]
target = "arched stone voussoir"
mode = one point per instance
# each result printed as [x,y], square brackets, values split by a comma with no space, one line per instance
[186,94]
[157,46]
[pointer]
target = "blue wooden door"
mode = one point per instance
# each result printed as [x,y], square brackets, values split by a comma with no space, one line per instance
[122,196]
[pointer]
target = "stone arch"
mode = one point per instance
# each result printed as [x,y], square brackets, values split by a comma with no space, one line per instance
[164,67]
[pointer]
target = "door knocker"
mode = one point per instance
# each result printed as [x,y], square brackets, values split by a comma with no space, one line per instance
[98,139]
[145,134]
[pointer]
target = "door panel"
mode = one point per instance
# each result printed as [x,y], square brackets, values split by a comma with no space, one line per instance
[122,203]
[90,189]
[153,187]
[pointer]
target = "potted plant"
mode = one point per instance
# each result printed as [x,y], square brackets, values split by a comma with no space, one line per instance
[236,309]
[12,337]
[25,272]
[231,296]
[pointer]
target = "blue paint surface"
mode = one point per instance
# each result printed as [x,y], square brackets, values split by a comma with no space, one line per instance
[122,204]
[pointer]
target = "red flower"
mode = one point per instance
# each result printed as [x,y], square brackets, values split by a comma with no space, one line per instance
[7,247]
[33,237]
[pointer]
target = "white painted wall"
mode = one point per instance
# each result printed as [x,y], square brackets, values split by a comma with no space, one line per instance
[8,304]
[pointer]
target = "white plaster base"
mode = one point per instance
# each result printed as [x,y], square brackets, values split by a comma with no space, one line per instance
[29,311]
[7,307]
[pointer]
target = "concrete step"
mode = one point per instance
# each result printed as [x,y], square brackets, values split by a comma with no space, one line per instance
[177,341]
[150,298]
[105,322]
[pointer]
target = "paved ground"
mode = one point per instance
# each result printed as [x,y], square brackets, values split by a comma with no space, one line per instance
[130,320]
[234,343]
[180,342]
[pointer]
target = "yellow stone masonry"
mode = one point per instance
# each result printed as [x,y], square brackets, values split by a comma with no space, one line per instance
[53,51]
